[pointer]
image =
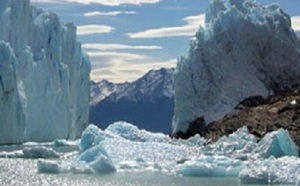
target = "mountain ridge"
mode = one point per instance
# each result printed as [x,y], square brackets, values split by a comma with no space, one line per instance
[146,102]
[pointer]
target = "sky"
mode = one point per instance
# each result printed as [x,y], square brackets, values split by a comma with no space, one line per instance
[126,38]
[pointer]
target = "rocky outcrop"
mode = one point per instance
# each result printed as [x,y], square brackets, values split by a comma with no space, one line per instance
[261,115]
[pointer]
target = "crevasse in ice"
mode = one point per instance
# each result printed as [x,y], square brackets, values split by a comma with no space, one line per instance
[44,76]
[124,147]
[244,49]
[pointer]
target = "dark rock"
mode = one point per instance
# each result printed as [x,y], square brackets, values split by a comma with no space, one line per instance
[196,127]
[261,115]
[252,101]
[180,135]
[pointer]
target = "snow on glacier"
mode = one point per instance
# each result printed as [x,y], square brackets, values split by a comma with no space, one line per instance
[244,49]
[124,147]
[44,76]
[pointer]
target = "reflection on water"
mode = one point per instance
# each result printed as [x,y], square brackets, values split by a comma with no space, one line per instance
[24,172]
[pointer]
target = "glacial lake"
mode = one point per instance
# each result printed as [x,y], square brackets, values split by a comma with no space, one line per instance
[23,172]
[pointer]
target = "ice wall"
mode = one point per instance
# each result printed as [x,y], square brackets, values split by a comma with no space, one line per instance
[244,49]
[44,76]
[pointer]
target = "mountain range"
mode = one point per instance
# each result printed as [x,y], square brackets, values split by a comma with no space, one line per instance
[147,102]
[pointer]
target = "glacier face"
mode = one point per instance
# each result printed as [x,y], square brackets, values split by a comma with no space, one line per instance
[44,76]
[244,49]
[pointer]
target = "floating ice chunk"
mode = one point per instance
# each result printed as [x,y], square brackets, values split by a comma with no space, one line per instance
[89,137]
[32,144]
[124,147]
[39,152]
[91,154]
[46,166]
[133,133]
[61,143]
[14,154]
[283,170]
[55,167]
[32,153]
[196,140]
[239,144]
[105,151]
[211,166]
[94,160]
[97,158]
[103,164]
[277,144]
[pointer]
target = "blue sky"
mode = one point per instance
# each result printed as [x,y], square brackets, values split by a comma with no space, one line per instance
[127,38]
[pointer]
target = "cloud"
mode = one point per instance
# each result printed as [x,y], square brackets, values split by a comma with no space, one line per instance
[102,2]
[192,25]
[122,71]
[46,1]
[105,47]
[116,57]
[113,13]
[93,29]
[296,24]
[110,63]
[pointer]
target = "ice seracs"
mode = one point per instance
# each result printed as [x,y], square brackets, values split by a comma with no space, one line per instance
[245,49]
[44,76]
[12,124]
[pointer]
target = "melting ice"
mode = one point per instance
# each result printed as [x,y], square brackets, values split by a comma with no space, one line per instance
[123,147]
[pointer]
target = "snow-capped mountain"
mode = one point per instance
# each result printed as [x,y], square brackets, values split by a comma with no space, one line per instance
[101,90]
[245,49]
[146,102]
[44,76]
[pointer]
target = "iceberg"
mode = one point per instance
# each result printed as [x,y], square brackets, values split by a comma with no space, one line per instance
[238,145]
[243,50]
[211,166]
[277,144]
[122,147]
[44,76]
[35,152]
[40,152]
[283,170]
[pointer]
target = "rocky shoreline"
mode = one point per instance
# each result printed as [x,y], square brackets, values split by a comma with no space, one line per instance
[261,115]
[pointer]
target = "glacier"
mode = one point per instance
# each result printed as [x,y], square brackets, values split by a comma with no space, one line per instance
[122,147]
[44,76]
[244,49]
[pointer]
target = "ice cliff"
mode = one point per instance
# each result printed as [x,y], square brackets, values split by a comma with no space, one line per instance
[245,49]
[44,76]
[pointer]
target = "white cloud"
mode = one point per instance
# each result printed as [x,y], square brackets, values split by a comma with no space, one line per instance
[122,71]
[93,29]
[105,47]
[113,13]
[193,23]
[116,56]
[46,1]
[102,2]
[111,64]
[296,24]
